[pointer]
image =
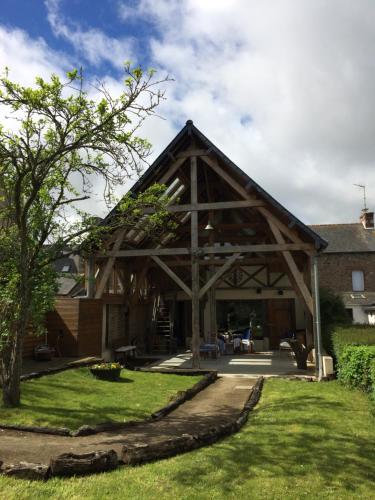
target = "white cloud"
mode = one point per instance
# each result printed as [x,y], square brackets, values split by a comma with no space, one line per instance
[284,88]
[302,71]
[92,44]
[27,58]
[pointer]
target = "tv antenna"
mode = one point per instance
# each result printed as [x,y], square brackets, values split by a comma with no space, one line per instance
[362,186]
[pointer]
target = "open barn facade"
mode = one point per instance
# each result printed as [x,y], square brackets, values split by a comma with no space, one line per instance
[236,256]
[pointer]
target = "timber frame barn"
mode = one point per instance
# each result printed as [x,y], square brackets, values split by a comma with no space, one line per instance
[237,253]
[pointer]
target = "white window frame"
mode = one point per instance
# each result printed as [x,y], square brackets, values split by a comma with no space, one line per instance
[358,281]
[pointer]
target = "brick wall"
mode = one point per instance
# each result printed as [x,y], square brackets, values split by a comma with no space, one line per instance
[335,270]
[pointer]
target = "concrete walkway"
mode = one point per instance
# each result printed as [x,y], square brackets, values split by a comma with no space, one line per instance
[220,402]
[266,364]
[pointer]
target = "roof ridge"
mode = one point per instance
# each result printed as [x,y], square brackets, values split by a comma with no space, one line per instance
[337,224]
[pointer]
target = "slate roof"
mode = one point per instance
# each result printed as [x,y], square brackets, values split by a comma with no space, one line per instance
[346,238]
[67,267]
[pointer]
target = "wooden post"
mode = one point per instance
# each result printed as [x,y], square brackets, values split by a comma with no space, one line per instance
[195,341]
[212,291]
[90,277]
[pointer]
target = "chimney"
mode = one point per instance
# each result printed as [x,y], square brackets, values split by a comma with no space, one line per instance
[367,219]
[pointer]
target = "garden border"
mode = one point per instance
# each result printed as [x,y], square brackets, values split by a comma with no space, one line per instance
[67,464]
[209,376]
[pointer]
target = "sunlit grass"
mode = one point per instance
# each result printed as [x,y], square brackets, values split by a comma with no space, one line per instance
[74,398]
[303,440]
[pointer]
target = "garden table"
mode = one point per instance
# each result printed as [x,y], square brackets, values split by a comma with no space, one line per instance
[125,350]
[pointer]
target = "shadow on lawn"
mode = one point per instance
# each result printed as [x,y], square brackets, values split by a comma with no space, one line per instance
[292,445]
[75,418]
[57,411]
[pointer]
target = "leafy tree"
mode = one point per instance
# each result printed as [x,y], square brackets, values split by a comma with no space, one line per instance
[58,138]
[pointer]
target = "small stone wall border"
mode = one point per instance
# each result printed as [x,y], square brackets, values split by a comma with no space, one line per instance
[140,453]
[87,430]
[303,378]
[69,464]
[53,371]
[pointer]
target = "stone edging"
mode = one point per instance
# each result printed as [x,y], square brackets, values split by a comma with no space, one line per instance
[52,371]
[69,464]
[87,430]
[140,453]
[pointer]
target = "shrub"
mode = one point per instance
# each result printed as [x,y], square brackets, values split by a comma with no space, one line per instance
[352,335]
[372,377]
[333,313]
[355,368]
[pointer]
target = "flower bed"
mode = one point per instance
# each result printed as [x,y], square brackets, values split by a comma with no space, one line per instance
[106,371]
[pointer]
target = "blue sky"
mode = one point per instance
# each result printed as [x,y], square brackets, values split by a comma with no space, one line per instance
[32,17]
[284,87]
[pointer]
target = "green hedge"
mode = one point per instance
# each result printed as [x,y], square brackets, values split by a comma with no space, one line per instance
[351,335]
[355,368]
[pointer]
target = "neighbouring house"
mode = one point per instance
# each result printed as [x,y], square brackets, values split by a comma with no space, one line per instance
[237,255]
[347,265]
[71,270]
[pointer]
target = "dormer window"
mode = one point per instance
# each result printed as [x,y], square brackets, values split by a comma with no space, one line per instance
[358,281]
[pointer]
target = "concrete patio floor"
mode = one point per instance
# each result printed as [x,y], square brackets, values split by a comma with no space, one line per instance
[267,364]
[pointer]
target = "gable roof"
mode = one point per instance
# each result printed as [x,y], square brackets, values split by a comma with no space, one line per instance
[189,130]
[346,238]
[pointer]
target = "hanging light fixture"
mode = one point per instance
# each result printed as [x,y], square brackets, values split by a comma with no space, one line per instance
[209,226]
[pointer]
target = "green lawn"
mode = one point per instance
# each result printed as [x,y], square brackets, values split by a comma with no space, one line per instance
[74,397]
[303,440]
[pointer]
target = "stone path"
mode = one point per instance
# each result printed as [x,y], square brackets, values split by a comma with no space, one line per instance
[220,402]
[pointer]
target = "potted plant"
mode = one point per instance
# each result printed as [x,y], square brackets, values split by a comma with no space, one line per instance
[301,352]
[106,371]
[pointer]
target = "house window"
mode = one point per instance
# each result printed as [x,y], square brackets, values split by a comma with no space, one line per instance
[358,281]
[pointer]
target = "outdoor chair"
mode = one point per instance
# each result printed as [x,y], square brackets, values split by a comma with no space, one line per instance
[284,344]
[210,347]
[246,340]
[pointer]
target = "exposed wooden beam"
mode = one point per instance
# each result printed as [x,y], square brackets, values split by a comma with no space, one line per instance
[263,210]
[139,280]
[144,252]
[109,264]
[231,227]
[263,248]
[171,171]
[172,275]
[271,247]
[224,175]
[219,261]
[295,272]
[252,276]
[218,274]
[193,152]
[283,228]
[195,285]
[220,205]
[90,277]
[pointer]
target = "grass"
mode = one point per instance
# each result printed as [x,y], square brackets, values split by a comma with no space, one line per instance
[303,440]
[74,398]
